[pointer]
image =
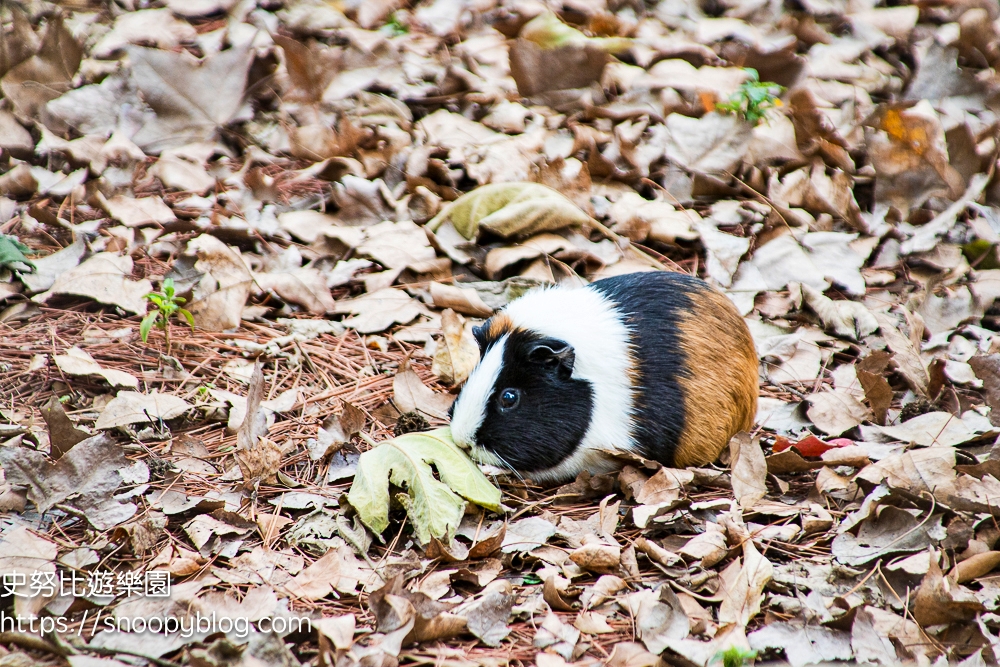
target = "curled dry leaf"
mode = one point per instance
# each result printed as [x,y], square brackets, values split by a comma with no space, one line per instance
[256,456]
[510,210]
[457,353]
[431,620]
[598,557]
[464,300]
[844,318]
[434,507]
[487,617]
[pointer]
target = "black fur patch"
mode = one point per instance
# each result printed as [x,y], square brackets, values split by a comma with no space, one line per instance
[554,410]
[652,304]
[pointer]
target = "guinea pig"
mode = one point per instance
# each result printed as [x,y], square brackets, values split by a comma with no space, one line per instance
[657,364]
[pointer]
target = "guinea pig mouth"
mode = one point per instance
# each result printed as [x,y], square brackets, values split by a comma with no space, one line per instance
[486,457]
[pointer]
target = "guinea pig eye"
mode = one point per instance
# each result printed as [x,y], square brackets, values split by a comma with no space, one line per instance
[509,398]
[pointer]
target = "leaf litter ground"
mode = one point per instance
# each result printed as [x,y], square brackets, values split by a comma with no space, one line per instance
[291,167]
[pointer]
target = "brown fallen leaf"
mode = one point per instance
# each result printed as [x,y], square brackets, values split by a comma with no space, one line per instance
[63,434]
[908,150]
[223,287]
[487,617]
[85,478]
[790,460]
[464,300]
[105,278]
[659,617]
[814,133]
[749,469]
[24,553]
[712,144]
[431,620]
[510,210]
[130,407]
[553,634]
[598,557]
[631,654]
[336,431]
[138,212]
[939,601]
[77,362]
[337,570]
[592,623]
[378,310]
[193,99]
[410,394]
[45,75]
[457,353]
[336,635]
[743,586]
[975,566]
[258,457]
[560,593]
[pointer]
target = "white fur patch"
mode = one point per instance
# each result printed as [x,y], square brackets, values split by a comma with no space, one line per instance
[589,322]
[470,408]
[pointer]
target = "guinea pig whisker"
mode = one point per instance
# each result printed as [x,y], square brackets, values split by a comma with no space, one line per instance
[508,466]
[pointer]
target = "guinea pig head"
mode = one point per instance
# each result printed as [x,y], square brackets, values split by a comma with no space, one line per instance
[521,407]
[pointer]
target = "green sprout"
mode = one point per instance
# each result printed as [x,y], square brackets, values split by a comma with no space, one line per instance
[753,99]
[395,27]
[167,304]
[734,656]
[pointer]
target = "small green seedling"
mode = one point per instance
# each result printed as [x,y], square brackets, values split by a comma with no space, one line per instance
[734,656]
[168,305]
[753,99]
[395,27]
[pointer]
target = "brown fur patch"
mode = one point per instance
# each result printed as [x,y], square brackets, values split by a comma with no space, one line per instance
[499,325]
[720,394]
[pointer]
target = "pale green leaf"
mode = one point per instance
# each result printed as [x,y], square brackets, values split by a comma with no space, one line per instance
[434,507]
[147,324]
[511,210]
[12,254]
[548,32]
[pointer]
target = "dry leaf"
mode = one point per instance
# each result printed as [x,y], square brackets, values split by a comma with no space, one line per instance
[78,362]
[457,353]
[510,210]
[379,310]
[744,586]
[85,477]
[410,394]
[130,407]
[223,287]
[749,469]
[104,278]
[258,456]
[193,99]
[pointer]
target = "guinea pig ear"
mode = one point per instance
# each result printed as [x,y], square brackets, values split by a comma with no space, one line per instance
[553,354]
[479,333]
